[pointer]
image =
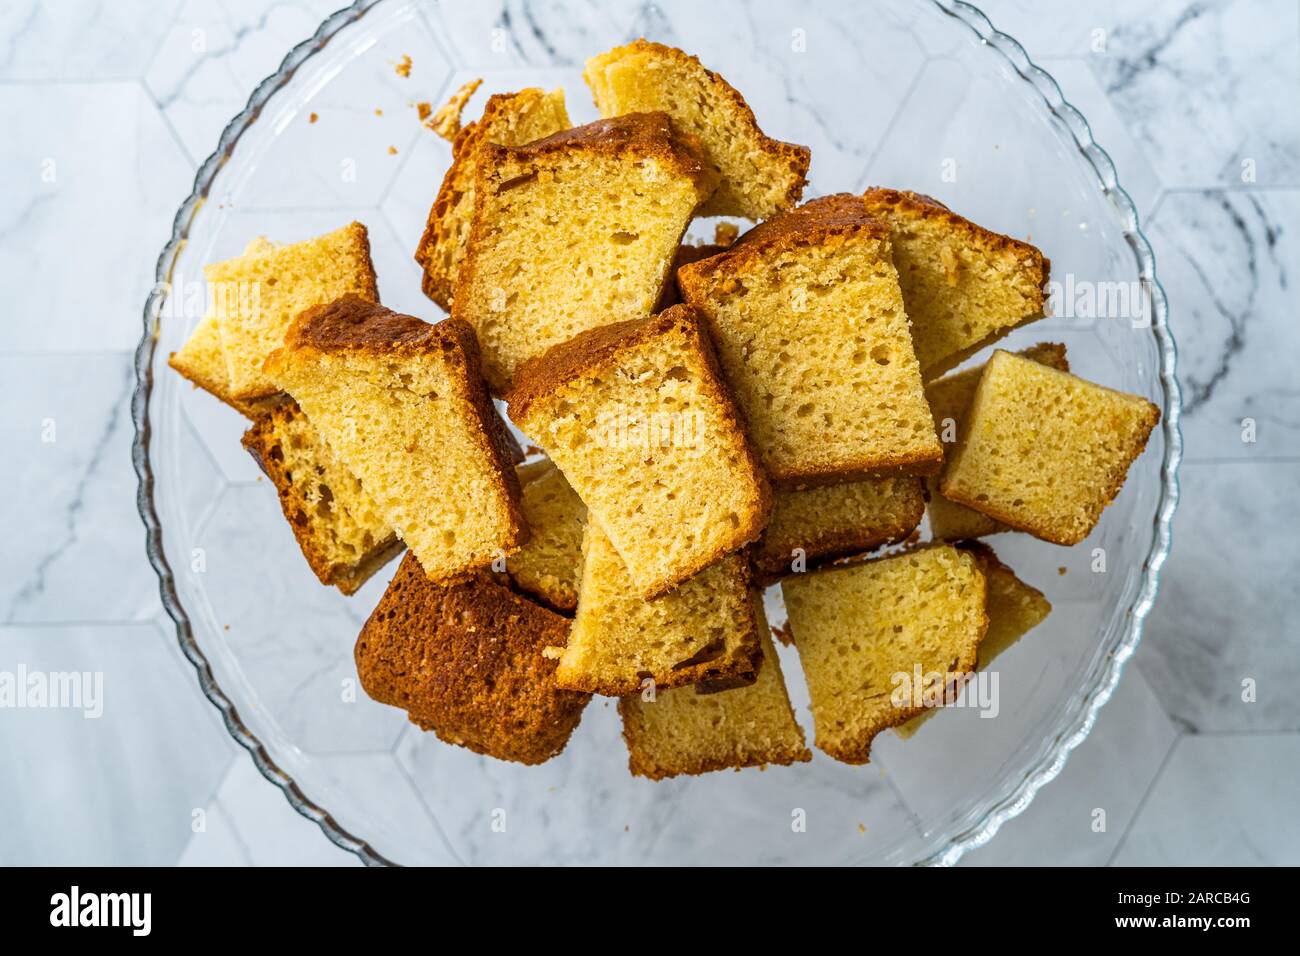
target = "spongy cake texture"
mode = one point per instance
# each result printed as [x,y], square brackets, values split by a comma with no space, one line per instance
[683,731]
[402,404]
[965,286]
[572,232]
[701,630]
[339,527]
[810,327]
[1043,450]
[466,662]
[759,176]
[548,564]
[509,119]
[866,632]
[949,399]
[255,297]
[835,521]
[638,418]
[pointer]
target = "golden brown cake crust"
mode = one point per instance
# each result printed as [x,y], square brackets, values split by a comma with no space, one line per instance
[353,324]
[466,662]
[633,134]
[811,224]
[685,255]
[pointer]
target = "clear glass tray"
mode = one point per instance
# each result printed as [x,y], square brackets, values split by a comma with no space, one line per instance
[926,96]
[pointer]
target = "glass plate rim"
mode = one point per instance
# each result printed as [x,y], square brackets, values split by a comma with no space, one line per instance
[1077,723]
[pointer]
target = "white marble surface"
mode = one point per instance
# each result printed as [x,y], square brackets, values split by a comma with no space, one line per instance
[109,106]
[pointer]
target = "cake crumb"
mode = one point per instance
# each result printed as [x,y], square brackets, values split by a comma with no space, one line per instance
[862,828]
[403,66]
[311,118]
[783,633]
[225,627]
[446,122]
[378,111]
[725,233]
[392,150]
[1061,571]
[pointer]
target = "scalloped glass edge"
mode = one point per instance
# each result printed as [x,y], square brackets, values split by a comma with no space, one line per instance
[1106,673]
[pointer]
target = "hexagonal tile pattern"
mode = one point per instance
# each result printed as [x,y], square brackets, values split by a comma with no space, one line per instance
[103,211]
[126,769]
[95,40]
[493,34]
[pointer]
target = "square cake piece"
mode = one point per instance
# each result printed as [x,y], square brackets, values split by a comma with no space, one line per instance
[703,630]
[834,521]
[574,231]
[465,661]
[550,562]
[1043,450]
[509,119]
[339,527]
[255,297]
[760,176]
[688,731]
[809,323]
[949,398]
[881,639]
[403,405]
[638,418]
[965,286]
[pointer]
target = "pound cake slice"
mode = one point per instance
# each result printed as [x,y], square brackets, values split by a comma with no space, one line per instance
[574,231]
[1044,451]
[201,361]
[760,176]
[465,661]
[638,418]
[256,296]
[821,524]
[703,630]
[1014,609]
[881,639]
[965,286]
[339,527]
[548,564]
[402,403]
[686,731]
[949,399]
[509,119]
[809,323]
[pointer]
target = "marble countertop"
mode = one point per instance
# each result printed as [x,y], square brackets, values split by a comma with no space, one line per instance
[109,106]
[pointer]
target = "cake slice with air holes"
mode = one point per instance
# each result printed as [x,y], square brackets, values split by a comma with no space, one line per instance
[548,565]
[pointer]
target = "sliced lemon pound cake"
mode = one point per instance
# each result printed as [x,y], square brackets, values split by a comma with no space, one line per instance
[811,526]
[809,322]
[575,231]
[1043,450]
[760,176]
[880,640]
[704,629]
[255,297]
[639,419]
[965,286]
[510,119]
[339,527]
[548,564]
[465,661]
[403,405]
[686,731]
[949,398]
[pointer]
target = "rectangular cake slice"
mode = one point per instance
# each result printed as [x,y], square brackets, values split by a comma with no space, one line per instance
[201,360]
[808,318]
[949,399]
[882,640]
[509,119]
[686,731]
[549,563]
[811,526]
[704,629]
[339,527]
[638,418]
[965,286]
[1043,450]
[574,231]
[760,176]
[403,405]
[466,661]
[257,295]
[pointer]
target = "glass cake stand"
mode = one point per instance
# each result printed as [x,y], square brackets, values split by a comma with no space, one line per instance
[926,96]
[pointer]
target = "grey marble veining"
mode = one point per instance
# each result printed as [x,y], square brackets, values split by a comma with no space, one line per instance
[108,108]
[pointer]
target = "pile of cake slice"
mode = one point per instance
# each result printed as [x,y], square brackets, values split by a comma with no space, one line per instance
[712,420]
